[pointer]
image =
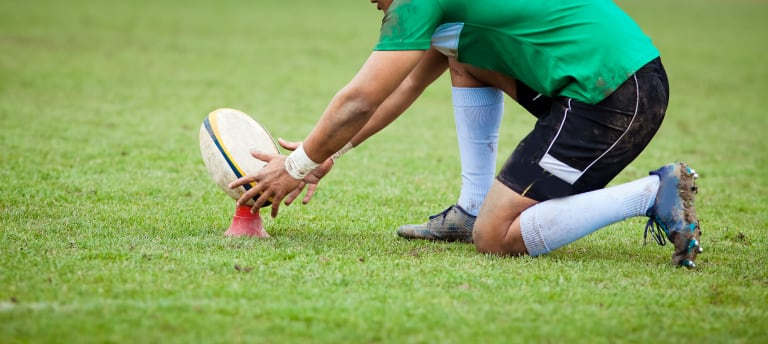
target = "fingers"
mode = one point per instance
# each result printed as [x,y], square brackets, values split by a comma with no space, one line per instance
[263,156]
[275,208]
[241,181]
[267,196]
[289,145]
[255,190]
[249,195]
[259,203]
[310,192]
[270,184]
[294,194]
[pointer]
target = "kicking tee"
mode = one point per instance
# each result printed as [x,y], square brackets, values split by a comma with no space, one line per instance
[582,49]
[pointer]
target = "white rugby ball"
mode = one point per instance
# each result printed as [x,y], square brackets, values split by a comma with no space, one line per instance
[227,137]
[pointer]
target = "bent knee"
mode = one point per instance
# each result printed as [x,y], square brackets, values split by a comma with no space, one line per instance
[498,242]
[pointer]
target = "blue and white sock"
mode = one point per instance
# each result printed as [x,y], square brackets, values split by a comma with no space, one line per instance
[555,223]
[478,112]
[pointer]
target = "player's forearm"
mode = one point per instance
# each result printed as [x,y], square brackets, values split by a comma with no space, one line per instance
[353,106]
[344,117]
[430,67]
[390,110]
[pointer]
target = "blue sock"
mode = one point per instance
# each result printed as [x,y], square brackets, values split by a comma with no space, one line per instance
[478,112]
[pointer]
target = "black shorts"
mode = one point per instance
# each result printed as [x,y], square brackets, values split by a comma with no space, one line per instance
[577,147]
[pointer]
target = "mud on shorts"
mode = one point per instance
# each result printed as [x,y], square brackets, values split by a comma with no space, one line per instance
[577,147]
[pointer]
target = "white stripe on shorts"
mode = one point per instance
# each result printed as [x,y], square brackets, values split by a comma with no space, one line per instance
[567,173]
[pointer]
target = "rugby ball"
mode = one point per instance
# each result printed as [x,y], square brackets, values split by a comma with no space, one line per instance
[227,137]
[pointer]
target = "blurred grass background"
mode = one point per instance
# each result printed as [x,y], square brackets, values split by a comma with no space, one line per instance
[111,227]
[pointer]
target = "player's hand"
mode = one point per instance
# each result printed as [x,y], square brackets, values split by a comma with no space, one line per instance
[311,180]
[273,183]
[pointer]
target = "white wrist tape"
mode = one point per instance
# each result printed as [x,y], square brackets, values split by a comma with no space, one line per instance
[341,151]
[298,164]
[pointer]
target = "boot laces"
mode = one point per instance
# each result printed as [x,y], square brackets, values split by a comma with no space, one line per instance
[657,232]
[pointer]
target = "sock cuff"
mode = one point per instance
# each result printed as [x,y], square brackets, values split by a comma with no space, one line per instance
[476,96]
[531,232]
[473,191]
[636,206]
[637,203]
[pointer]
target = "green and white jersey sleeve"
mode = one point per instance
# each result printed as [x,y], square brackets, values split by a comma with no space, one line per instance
[583,49]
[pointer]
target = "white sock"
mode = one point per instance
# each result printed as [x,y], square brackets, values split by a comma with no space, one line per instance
[478,112]
[552,224]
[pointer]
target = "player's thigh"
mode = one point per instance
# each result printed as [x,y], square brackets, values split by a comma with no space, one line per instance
[464,75]
[579,147]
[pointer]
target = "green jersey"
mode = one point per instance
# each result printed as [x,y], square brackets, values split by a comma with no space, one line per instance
[583,49]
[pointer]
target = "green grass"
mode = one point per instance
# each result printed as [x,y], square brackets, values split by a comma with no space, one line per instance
[112,229]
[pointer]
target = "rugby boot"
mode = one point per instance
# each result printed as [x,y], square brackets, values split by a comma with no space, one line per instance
[453,224]
[674,213]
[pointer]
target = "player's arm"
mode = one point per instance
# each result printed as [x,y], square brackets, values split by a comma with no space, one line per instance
[430,67]
[355,104]
[349,110]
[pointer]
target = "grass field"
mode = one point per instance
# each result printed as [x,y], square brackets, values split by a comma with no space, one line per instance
[112,229]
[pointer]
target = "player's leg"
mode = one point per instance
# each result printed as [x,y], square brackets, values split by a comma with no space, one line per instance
[512,224]
[510,221]
[574,149]
[477,114]
[478,110]
[497,228]
[667,196]
[478,102]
